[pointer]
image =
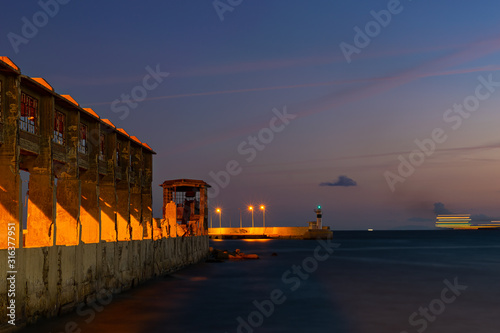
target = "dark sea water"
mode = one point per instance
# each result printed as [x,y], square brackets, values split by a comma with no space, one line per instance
[446,281]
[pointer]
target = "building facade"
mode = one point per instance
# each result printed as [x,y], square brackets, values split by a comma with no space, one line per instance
[88,180]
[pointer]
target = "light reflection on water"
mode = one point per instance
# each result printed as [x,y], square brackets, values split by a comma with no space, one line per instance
[372,283]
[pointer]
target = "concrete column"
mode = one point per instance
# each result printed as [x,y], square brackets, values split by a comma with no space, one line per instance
[89,213]
[135,193]
[10,180]
[10,198]
[68,188]
[147,192]
[123,196]
[171,218]
[107,192]
[40,210]
[135,213]
[107,198]
[123,213]
[168,197]
[41,183]
[147,213]
[68,210]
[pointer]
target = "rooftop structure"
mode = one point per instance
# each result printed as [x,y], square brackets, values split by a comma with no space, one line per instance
[185,202]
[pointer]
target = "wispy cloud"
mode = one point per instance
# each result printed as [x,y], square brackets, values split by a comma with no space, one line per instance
[95,81]
[370,87]
[252,67]
[296,86]
[375,86]
[468,149]
[261,65]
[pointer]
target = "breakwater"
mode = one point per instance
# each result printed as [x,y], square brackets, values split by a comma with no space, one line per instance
[271,232]
[51,281]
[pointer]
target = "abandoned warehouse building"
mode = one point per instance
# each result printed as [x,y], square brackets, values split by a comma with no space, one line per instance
[85,222]
[88,180]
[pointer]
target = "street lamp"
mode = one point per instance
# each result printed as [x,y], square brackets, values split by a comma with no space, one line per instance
[240,217]
[218,211]
[263,208]
[251,209]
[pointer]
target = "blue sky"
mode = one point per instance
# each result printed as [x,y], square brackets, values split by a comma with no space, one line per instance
[351,119]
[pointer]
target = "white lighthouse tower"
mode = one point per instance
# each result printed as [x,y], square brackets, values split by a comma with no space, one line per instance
[318,217]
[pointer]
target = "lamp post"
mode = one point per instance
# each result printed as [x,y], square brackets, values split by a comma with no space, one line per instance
[263,208]
[251,209]
[220,218]
[240,217]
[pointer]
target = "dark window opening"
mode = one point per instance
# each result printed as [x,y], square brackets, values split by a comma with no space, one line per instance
[118,149]
[82,146]
[59,128]
[101,147]
[130,159]
[29,114]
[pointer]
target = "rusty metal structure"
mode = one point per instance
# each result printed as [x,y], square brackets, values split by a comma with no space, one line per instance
[88,180]
[185,202]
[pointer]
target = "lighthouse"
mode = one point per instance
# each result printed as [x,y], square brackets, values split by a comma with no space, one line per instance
[318,217]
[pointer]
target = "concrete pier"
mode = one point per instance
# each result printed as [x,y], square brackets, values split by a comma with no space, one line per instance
[270,232]
[51,281]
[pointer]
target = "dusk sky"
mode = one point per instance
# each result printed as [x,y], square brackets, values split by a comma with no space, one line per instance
[307,102]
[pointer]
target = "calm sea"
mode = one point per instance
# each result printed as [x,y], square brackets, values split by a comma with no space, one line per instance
[367,282]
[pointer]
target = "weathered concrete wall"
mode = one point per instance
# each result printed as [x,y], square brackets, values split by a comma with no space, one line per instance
[55,280]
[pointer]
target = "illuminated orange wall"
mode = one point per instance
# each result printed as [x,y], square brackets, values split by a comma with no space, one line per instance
[65,205]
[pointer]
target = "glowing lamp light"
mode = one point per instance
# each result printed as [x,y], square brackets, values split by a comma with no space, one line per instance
[218,211]
[251,209]
[263,208]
